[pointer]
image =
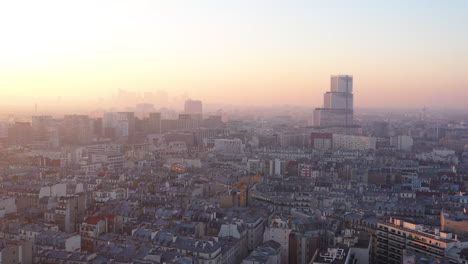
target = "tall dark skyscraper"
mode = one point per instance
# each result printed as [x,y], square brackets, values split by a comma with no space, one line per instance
[337,110]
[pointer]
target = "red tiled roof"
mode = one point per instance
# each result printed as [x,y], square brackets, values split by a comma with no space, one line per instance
[92,220]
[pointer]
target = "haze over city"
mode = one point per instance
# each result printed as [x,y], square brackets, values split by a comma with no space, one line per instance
[402,54]
[233,132]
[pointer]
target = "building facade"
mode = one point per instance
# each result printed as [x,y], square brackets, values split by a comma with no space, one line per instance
[338,104]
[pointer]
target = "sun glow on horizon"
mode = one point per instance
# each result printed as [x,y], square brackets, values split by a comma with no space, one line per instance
[239,52]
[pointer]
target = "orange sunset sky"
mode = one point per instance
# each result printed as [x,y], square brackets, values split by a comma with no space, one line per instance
[401,53]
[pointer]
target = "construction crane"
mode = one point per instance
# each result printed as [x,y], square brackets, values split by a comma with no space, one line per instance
[244,185]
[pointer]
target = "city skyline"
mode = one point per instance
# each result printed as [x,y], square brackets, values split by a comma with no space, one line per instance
[233,132]
[262,53]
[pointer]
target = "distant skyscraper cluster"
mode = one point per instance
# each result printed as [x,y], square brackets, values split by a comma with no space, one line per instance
[337,110]
[127,98]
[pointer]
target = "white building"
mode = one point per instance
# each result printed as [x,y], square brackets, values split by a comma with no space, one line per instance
[105,148]
[90,168]
[119,125]
[402,142]
[56,190]
[103,196]
[7,205]
[439,155]
[279,232]
[264,131]
[232,146]
[341,84]
[277,167]
[350,142]
[338,103]
[255,166]
[48,240]
[112,161]
[73,155]
[338,100]
[322,143]
[175,148]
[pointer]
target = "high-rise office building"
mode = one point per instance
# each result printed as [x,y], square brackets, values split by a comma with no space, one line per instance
[155,123]
[120,126]
[41,126]
[45,130]
[193,107]
[20,132]
[77,129]
[338,106]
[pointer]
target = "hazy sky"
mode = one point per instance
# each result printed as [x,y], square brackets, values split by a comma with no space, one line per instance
[401,53]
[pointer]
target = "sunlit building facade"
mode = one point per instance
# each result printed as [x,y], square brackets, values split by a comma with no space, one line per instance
[338,104]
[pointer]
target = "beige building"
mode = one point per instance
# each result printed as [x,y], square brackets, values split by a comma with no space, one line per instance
[396,236]
[15,252]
